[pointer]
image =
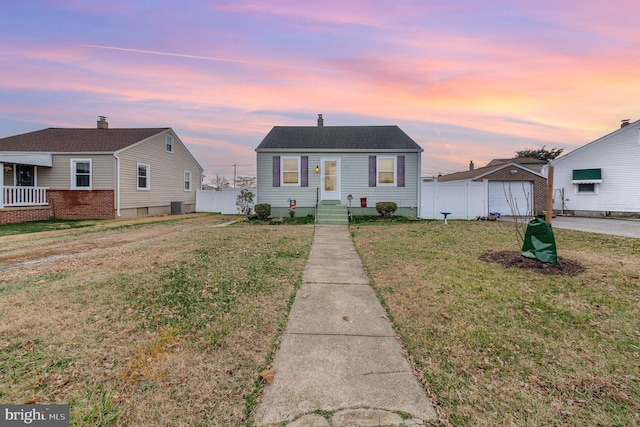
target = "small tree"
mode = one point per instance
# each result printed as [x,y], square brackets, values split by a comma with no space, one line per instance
[520,221]
[244,201]
[246,181]
[219,182]
[541,153]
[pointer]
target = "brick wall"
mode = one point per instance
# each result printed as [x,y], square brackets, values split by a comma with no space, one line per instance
[15,215]
[82,204]
[539,185]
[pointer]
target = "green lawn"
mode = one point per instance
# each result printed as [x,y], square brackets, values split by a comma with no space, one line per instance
[174,329]
[507,346]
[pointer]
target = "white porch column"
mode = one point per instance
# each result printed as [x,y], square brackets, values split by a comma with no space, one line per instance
[1,185]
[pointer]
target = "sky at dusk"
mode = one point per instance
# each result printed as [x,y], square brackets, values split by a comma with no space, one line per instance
[467,80]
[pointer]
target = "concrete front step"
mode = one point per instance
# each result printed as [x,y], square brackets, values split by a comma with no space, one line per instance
[332,214]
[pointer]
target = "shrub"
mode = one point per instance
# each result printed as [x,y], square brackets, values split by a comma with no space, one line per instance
[263,210]
[386,209]
[244,202]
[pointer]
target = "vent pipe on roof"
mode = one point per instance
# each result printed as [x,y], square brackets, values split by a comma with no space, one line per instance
[102,123]
[624,122]
[320,120]
[471,165]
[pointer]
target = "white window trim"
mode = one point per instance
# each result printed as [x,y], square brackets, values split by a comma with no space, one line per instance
[169,141]
[282,183]
[73,163]
[395,171]
[189,180]
[583,193]
[148,167]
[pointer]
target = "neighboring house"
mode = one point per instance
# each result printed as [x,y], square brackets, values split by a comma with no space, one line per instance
[98,173]
[503,186]
[354,166]
[601,178]
[528,162]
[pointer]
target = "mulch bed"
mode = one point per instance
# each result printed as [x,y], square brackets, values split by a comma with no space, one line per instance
[513,259]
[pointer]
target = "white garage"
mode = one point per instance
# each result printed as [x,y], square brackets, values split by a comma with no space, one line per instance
[511,198]
[477,192]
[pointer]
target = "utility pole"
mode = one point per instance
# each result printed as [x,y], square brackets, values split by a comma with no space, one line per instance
[549,194]
[234,175]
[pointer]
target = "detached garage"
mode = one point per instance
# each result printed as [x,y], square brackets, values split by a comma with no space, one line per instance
[510,189]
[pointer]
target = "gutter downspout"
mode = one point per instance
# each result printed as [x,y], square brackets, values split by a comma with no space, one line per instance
[117,184]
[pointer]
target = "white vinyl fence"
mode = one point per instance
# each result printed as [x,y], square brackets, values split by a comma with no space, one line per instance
[463,199]
[223,201]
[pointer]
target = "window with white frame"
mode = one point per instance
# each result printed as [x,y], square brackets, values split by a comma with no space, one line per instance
[586,180]
[187,180]
[81,174]
[144,177]
[386,171]
[168,143]
[290,171]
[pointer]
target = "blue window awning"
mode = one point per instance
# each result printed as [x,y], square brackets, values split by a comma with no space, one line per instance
[587,176]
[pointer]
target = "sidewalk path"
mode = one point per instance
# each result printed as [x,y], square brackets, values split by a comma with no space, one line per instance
[339,353]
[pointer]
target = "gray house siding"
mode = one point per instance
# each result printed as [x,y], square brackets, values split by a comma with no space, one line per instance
[278,197]
[354,180]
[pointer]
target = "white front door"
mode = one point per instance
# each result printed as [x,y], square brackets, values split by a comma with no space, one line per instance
[330,185]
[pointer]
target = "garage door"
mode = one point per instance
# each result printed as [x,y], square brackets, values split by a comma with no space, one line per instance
[520,192]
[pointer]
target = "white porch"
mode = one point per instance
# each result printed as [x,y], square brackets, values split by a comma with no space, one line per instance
[23,196]
[26,194]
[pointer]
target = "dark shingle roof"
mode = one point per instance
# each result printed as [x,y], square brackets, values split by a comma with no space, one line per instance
[337,138]
[59,140]
[480,172]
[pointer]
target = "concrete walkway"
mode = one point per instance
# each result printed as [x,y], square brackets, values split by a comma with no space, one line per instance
[339,356]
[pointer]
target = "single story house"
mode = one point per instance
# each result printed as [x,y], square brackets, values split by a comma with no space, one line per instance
[98,173]
[504,186]
[315,167]
[601,178]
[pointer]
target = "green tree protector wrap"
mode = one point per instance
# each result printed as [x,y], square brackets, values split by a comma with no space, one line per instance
[539,242]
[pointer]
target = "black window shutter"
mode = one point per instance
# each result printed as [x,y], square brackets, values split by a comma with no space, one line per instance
[304,171]
[372,171]
[400,162]
[276,171]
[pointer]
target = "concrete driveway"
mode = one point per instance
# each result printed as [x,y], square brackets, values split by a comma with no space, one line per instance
[615,227]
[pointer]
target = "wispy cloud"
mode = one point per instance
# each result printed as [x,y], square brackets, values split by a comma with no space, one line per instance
[207,58]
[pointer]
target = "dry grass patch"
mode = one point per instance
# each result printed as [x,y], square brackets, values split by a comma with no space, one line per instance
[509,346]
[170,326]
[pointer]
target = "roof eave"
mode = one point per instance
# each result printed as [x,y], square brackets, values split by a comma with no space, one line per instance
[339,150]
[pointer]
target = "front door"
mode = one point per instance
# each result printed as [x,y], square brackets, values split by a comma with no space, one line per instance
[25,176]
[330,179]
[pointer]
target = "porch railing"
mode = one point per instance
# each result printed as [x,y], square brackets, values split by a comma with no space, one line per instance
[23,196]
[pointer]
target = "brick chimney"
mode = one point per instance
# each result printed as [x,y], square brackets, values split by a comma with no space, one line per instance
[471,165]
[320,120]
[102,123]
